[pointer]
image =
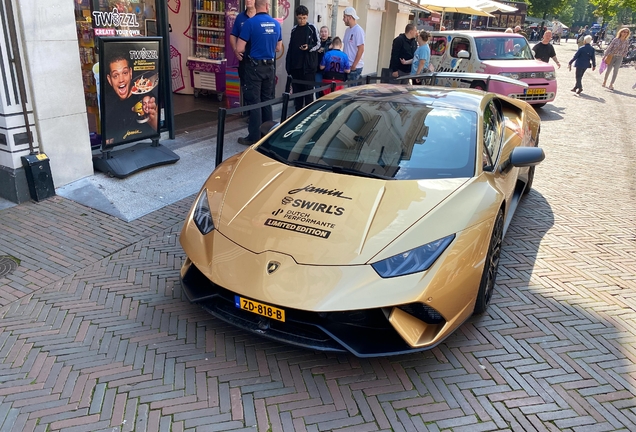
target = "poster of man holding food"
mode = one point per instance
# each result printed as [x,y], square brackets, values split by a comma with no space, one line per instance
[130,78]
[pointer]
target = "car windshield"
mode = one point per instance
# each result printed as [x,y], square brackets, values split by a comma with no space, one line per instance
[378,139]
[503,48]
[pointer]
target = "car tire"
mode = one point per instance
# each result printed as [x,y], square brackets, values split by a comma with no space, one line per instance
[478,85]
[488,277]
[540,105]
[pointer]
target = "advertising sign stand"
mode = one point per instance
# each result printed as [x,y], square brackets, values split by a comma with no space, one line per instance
[131,83]
[124,162]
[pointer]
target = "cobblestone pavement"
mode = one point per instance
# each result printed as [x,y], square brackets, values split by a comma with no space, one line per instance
[95,335]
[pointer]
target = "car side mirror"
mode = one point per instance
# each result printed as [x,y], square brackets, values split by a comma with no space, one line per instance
[463,54]
[268,126]
[523,157]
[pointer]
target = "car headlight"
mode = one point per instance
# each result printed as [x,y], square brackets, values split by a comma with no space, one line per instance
[414,260]
[510,75]
[202,216]
[549,75]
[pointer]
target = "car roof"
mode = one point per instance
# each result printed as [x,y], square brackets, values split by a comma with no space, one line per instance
[425,95]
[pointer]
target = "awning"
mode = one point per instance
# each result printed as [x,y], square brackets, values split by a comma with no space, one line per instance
[412,6]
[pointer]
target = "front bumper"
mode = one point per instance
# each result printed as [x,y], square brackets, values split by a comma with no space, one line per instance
[365,333]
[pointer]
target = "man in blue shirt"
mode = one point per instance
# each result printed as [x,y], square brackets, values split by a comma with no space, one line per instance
[248,13]
[264,35]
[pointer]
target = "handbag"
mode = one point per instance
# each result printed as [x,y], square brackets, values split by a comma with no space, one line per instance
[608,58]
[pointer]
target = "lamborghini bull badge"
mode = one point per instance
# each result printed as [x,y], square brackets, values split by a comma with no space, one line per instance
[272,266]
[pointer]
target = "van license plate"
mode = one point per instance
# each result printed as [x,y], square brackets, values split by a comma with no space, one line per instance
[259,308]
[534,91]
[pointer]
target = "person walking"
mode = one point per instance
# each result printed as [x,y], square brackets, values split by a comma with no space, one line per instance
[353,43]
[302,56]
[582,59]
[402,51]
[580,38]
[264,35]
[544,50]
[613,55]
[557,30]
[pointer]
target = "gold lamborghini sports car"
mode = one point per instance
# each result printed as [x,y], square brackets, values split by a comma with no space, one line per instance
[370,222]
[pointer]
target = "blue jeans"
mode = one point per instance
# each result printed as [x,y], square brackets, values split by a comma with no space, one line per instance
[354,75]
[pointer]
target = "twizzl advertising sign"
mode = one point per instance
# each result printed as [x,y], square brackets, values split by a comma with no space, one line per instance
[129,78]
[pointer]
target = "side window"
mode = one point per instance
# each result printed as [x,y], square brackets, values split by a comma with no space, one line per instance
[438,45]
[493,123]
[458,44]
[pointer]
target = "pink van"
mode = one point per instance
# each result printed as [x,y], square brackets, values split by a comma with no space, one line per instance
[505,54]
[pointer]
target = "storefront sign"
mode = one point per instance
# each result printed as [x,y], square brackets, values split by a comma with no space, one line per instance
[129,87]
[105,32]
[115,19]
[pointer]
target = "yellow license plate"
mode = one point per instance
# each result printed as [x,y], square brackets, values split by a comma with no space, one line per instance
[537,91]
[259,308]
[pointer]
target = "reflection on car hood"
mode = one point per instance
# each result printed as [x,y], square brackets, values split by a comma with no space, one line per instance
[318,217]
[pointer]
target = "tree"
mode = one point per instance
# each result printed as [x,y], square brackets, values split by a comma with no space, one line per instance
[606,8]
[543,8]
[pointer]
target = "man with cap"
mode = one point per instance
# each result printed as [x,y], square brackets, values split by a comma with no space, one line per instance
[265,38]
[353,42]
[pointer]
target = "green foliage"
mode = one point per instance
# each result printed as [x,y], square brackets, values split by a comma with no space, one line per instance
[565,15]
[606,8]
[545,8]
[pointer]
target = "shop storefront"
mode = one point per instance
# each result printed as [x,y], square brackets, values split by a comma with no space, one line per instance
[503,20]
[59,50]
[115,19]
[196,56]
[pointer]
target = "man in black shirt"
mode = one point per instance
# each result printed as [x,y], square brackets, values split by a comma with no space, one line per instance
[302,56]
[544,50]
[403,48]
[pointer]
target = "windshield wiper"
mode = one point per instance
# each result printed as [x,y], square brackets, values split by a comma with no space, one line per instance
[305,164]
[271,153]
[338,169]
[333,168]
[343,170]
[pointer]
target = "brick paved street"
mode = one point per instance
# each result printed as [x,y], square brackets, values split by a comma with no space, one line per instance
[94,334]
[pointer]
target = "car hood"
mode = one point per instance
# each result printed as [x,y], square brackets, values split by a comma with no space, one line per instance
[319,217]
[520,65]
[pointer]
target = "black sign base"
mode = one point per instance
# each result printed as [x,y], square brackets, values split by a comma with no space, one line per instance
[122,163]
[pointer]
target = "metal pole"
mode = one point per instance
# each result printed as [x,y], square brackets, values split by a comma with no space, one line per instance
[220,131]
[163,29]
[17,61]
[334,18]
[283,111]
[288,83]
